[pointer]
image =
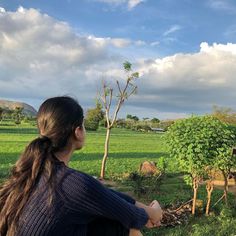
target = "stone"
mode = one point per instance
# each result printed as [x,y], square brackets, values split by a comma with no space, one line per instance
[148,168]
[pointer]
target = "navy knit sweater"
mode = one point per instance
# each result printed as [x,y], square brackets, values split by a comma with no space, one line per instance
[79,199]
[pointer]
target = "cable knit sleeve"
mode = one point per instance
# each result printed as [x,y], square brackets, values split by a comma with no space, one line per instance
[124,196]
[88,196]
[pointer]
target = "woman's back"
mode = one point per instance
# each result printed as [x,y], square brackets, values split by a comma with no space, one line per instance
[78,200]
[43,196]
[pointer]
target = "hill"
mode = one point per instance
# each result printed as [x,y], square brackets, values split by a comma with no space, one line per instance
[11,105]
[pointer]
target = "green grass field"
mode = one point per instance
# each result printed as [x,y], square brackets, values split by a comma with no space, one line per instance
[127,150]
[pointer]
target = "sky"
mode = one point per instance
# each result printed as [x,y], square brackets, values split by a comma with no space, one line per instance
[184,51]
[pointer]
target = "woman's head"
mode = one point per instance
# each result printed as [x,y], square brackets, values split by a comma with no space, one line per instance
[60,119]
[60,124]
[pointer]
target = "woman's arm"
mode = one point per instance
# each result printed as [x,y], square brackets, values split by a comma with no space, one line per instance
[124,196]
[88,196]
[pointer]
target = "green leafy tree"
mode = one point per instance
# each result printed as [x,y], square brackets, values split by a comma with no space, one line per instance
[145,118]
[224,114]
[155,120]
[225,161]
[121,123]
[196,143]
[1,113]
[18,115]
[106,96]
[165,124]
[93,117]
[130,117]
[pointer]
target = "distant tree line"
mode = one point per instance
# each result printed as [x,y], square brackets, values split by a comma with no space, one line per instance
[16,115]
[95,118]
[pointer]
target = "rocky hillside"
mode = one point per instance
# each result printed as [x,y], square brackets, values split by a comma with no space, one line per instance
[28,110]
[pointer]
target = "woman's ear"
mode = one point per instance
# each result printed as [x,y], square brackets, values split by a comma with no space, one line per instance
[79,136]
[78,133]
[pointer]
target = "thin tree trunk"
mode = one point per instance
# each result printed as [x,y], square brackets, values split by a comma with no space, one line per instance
[106,149]
[209,188]
[226,187]
[195,188]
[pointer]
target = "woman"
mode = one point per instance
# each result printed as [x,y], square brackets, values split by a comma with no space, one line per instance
[43,196]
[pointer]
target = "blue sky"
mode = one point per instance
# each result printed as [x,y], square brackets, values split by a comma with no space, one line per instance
[179,26]
[185,51]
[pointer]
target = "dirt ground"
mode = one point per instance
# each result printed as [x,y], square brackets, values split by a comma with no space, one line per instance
[220,185]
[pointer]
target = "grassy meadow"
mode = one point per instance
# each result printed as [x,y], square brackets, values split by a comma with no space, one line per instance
[128,149]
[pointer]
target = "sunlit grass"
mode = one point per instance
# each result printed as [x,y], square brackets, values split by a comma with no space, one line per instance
[128,149]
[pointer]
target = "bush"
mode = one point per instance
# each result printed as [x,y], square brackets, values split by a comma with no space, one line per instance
[93,117]
[91,125]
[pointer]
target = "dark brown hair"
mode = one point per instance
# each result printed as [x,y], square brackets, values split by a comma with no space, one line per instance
[57,120]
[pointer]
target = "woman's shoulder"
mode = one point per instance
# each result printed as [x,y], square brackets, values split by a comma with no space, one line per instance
[74,178]
[76,186]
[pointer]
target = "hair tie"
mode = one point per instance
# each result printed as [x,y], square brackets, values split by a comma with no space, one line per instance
[44,137]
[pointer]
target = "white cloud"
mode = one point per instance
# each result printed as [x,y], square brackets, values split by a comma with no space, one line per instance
[117,42]
[130,3]
[43,57]
[113,2]
[21,9]
[222,5]
[172,29]
[190,82]
[140,43]
[134,3]
[155,43]
[2,10]
[120,43]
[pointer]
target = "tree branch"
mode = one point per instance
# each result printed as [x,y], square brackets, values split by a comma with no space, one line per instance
[118,85]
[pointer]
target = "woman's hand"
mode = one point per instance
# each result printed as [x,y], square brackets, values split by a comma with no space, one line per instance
[135,232]
[151,225]
[157,216]
[154,212]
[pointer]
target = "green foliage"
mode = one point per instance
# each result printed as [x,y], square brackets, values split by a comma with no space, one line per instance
[120,123]
[137,183]
[224,224]
[155,120]
[18,115]
[135,118]
[224,160]
[165,124]
[198,142]
[224,114]
[93,117]
[7,113]
[91,125]
[162,164]
[127,66]
[141,127]
[143,185]
[128,149]
[1,113]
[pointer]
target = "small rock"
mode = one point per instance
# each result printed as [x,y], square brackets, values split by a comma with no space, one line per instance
[148,168]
